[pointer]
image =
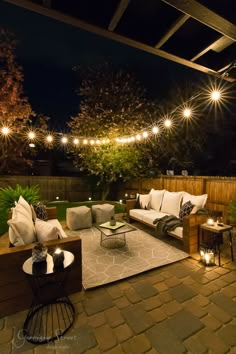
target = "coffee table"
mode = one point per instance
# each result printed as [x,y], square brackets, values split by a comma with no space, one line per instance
[114,238]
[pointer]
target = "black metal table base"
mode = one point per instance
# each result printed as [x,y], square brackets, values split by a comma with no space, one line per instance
[48,322]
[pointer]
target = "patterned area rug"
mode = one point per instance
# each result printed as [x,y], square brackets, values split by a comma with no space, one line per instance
[142,252]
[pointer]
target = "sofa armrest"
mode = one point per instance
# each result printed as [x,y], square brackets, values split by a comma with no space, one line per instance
[191,225]
[130,204]
[15,291]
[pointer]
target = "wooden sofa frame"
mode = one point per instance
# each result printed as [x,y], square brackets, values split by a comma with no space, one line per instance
[15,291]
[190,227]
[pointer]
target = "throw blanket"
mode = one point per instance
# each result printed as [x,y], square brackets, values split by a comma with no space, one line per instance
[166,223]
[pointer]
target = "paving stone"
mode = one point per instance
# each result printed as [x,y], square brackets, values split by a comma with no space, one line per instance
[152,303]
[181,271]
[218,313]
[97,304]
[97,320]
[211,322]
[132,295]
[212,275]
[123,332]
[161,286]
[114,317]
[137,318]
[90,351]
[229,290]
[138,344]
[221,270]
[174,281]
[182,293]
[124,285]
[225,302]
[6,335]
[84,339]
[204,290]
[165,274]
[229,277]
[165,297]
[153,351]
[171,308]
[114,291]
[155,279]
[228,334]
[117,350]
[164,340]
[105,338]
[145,289]
[214,343]
[121,302]
[194,346]
[6,348]
[201,300]
[195,309]
[184,324]
[158,315]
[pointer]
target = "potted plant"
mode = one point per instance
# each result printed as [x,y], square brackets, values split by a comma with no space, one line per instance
[9,195]
[232,211]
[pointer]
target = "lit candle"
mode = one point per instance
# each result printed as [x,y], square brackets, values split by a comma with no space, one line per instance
[58,258]
[210,222]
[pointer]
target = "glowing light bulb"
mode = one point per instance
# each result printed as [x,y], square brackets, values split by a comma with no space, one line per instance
[138,137]
[215,95]
[145,134]
[187,113]
[167,123]
[155,130]
[85,141]
[49,138]
[98,142]
[64,140]
[31,135]
[76,141]
[5,130]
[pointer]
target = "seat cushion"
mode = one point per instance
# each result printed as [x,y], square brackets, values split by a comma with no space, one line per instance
[78,218]
[171,203]
[102,212]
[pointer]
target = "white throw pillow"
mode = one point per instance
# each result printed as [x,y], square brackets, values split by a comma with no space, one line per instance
[46,231]
[171,203]
[144,200]
[156,199]
[25,205]
[21,228]
[198,200]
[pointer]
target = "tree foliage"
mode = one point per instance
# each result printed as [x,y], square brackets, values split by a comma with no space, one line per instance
[112,105]
[15,110]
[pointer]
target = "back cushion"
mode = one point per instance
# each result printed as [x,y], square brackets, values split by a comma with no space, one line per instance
[144,200]
[156,199]
[171,203]
[21,227]
[197,200]
[46,231]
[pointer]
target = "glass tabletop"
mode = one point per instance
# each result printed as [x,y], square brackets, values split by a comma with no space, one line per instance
[121,230]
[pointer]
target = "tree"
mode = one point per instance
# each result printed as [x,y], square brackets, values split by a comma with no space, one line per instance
[112,105]
[15,110]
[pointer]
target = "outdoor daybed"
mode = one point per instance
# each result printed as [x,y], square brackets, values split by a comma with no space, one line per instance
[15,290]
[149,208]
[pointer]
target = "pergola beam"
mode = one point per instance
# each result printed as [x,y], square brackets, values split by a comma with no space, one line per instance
[217,46]
[182,19]
[118,14]
[204,15]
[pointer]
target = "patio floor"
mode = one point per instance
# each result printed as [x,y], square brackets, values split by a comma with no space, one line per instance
[179,308]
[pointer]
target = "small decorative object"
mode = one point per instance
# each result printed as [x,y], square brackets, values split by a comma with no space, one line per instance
[112,221]
[39,253]
[207,255]
[210,222]
[219,221]
[58,259]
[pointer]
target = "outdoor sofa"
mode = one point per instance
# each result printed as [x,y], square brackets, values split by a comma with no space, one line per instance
[152,207]
[15,290]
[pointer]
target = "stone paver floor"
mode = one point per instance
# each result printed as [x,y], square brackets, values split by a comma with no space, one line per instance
[180,308]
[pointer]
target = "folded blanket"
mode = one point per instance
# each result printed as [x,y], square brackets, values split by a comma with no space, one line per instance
[166,223]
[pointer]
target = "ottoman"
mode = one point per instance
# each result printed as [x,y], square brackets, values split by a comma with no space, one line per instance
[78,218]
[102,212]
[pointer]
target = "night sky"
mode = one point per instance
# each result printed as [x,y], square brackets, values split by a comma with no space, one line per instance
[48,50]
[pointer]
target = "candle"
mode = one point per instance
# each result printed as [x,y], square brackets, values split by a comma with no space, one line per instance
[210,222]
[58,259]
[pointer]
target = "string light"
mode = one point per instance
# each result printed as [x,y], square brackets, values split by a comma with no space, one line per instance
[167,123]
[214,94]
[5,131]
[187,112]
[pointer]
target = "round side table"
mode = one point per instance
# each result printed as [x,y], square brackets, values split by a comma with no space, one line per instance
[51,313]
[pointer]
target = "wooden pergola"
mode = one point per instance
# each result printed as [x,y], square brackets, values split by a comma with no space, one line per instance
[198,34]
